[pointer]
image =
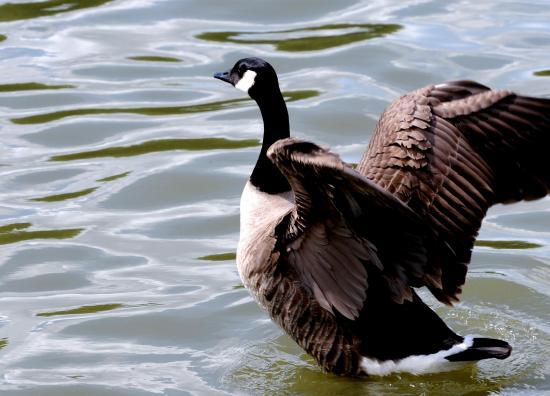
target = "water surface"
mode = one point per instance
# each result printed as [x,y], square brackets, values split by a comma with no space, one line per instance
[123,161]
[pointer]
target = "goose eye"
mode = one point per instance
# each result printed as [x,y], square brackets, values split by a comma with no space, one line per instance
[242,69]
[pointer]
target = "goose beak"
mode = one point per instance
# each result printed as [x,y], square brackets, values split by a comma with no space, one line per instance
[224,76]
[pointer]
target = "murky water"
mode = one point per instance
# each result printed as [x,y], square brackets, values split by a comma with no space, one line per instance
[122,162]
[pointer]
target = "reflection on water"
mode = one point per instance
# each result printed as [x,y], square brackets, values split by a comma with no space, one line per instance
[160,145]
[113,177]
[273,368]
[2,37]
[14,227]
[508,244]
[87,309]
[303,381]
[65,196]
[146,58]
[277,366]
[13,233]
[121,174]
[147,111]
[309,39]
[31,86]
[17,11]
[290,96]
[219,257]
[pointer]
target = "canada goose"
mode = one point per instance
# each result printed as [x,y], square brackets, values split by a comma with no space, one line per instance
[334,254]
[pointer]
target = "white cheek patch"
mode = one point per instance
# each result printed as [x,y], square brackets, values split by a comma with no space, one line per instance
[247,81]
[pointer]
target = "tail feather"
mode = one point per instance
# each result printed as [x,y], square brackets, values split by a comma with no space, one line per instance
[482,348]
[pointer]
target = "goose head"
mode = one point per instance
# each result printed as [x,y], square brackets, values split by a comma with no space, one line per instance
[258,78]
[251,75]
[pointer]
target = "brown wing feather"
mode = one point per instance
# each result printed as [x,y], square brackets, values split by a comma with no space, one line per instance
[451,151]
[343,229]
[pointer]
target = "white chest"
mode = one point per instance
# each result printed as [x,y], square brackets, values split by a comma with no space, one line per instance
[260,213]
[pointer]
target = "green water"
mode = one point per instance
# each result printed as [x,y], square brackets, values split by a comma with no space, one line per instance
[151,111]
[82,310]
[13,233]
[311,38]
[146,58]
[114,177]
[28,10]
[123,161]
[30,87]
[161,145]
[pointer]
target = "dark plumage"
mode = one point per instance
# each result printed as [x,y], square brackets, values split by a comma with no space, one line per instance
[334,254]
[451,151]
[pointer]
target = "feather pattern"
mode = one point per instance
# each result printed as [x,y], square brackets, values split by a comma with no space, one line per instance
[479,147]
[342,231]
[334,254]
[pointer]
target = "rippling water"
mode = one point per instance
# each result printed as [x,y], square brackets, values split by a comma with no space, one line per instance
[123,161]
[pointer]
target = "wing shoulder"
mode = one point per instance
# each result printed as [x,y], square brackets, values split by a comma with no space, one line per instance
[346,228]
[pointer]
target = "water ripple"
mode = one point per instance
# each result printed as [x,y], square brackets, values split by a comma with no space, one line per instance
[123,161]
[14,12]
[306,39]
[153,111]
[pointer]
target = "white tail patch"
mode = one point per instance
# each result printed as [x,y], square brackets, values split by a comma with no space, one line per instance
[247,81]
[418,364]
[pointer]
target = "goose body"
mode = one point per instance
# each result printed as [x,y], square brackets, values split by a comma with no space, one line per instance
[334,254]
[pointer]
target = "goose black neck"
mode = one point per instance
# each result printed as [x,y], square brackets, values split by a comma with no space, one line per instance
[266,176]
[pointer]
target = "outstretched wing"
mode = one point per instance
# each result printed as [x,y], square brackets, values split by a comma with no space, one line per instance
[451,151]
[345,228]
